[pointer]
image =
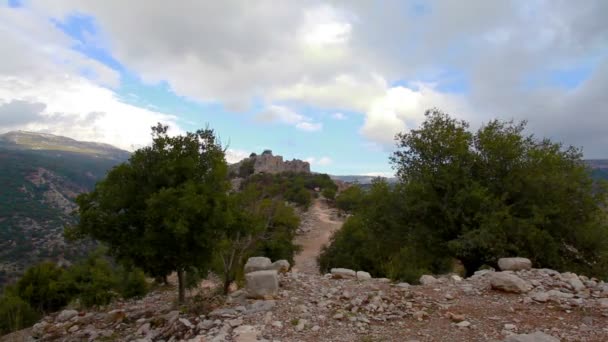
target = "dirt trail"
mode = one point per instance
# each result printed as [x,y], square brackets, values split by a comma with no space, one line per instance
[318,226]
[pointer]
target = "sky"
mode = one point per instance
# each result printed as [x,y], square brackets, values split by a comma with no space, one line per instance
[330,82]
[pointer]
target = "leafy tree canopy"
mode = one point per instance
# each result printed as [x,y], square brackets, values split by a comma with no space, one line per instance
[478,196]
[165,208]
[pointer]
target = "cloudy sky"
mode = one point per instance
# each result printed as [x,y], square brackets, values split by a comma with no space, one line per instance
[330,82]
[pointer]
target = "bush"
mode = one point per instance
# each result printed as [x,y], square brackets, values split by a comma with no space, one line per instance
[329,193]
[42,288]
[133,283]
[15,314]
[350,199]
[92,281]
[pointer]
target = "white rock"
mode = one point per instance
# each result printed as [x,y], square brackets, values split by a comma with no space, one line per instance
[361,275]
[540,296]
[510,327]
[245,333]
[301,324]
[428,280]
[281,266]
[257,264]
[262,284]
[556,294]
[343,273]
[603,303]
[574,281]
[536,336]
[186,323]
[456,278]
[66,315]
[508,282]
[514,264]
[463,324]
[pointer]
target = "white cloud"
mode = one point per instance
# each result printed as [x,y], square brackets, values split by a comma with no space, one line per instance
[235,156]
[402,108]
[288,116]
[322,161]
[339,116]
[348,55]
[40,69]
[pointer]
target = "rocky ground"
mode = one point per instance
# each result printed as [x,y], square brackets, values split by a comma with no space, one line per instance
[517,305]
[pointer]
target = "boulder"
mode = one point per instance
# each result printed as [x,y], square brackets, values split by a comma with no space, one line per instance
[514,264]
[428,280]
[536,336]
[574,281]
[281,266]
[66,315]
[257,264]
[508,282]
[262,284]
[246,333]
[361,275]
[343,273]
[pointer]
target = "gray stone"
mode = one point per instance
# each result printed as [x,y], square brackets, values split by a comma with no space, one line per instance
[536,336]
[508,282]
[514,264]
[257,264]
[343,273]
[428,280]
[245,333]
[361,275]
[574,281]
[262,284]
[223,313]
[66,315]
[281,266]
[540,296]
[260,306]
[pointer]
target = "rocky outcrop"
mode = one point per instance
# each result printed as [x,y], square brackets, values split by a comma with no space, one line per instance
[514,264]
[508,282]
[356,307]
[268,163]
[312,307]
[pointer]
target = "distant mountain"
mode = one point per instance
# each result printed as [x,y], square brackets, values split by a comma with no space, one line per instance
[599,168]
[40,176]
[22,140]
[360,179]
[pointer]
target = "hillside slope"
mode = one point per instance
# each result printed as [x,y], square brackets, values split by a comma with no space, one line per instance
[40,176]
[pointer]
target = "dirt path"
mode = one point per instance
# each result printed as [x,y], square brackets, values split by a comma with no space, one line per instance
[318,227]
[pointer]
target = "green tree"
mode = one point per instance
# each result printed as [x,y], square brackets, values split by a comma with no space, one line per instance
[499,192]
[475,197]
[165,208]
[260,226]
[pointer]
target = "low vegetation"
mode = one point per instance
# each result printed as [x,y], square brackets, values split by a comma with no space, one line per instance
[46,288]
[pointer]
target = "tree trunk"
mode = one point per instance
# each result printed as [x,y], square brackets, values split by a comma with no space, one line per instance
[181,286]
[227,282]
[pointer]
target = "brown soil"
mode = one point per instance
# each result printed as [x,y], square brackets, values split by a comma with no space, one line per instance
[320,220]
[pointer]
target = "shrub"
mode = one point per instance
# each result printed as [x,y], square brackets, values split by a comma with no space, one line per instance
[15,313]
[42,288]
